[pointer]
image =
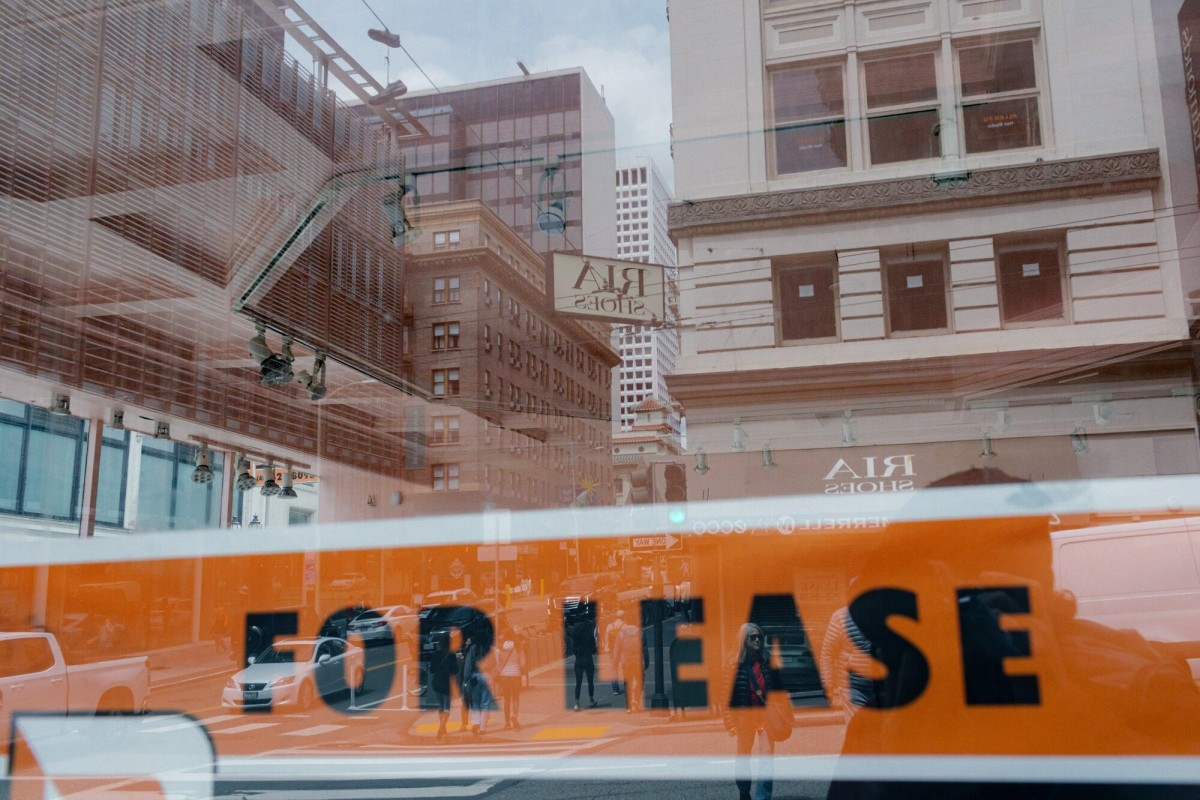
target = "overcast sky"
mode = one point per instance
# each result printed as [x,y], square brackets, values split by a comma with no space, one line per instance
[622,44]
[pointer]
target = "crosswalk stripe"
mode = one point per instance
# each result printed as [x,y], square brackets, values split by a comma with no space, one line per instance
[253,726]
[315,730]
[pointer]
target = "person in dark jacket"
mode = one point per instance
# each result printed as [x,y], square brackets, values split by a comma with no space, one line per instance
[583,645]
[745,715]
[443,665]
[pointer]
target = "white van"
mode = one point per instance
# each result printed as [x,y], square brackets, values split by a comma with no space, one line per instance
[1142,576]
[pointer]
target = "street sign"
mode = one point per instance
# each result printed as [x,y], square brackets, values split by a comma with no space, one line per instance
[662,542]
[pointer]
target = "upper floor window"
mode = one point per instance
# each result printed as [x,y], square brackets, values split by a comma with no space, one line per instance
[445,336]
[901,104]
[445,382]
[443,239]
[1029,276]
[445,477]
[446,290]
[807,301]
[809,107]
[914,282]
[902,108]
[999,96]
[444,430]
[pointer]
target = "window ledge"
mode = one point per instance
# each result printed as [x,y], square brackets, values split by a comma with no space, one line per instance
[989,186]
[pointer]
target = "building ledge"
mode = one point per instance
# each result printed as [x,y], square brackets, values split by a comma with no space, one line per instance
[1042,180]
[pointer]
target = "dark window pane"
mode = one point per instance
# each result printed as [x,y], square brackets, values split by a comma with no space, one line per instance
[1003,67]
[916,294]
[807,303]
[905,137]
[1002,125]
[1031,284]
[807,147]
[897,81]
[808,93]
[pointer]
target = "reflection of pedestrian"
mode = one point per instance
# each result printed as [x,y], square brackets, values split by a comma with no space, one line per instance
[508,670]
[610,637]
[745,717]
[629,656]
[583,644]
[475,685]
[845,660]
[442,666]
[220,630]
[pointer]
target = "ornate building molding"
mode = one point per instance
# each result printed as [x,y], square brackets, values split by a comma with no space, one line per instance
[1110,174]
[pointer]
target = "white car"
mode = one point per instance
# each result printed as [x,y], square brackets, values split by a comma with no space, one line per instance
[376,624]
[290,673]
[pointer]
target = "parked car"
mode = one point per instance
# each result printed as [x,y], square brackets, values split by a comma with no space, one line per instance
[291,672]
[349,581]
[35,677]
[574,593]
[455,597]
[376,624]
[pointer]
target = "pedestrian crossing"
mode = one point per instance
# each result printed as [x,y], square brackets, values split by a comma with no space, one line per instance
[543,740]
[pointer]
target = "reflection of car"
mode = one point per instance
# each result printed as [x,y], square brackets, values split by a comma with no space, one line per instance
[349,581]
[467,615]
[451,597]
[292,672]
[591,587]
[35,677]
[376,624]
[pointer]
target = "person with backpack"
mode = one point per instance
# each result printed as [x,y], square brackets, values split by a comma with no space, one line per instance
[508,672]
[583,645]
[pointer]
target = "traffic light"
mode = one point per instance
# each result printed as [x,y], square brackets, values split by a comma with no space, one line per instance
[672,483]
[640,481]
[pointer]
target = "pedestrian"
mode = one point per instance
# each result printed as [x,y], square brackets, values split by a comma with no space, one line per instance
[629,656]
[443,666]
[610,637]
[745,715]
[221,631]
[475,684]
[583,644]
[508,670]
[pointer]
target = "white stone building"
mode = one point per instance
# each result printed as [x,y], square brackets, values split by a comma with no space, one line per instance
[647,356]
[926,236]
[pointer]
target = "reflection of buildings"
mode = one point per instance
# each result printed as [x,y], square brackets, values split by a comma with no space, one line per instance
[647,356]
[520,415]
[155,157]
[956,244]
[520,145]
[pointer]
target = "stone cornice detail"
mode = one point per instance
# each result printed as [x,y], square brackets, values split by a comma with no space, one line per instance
[1084,177]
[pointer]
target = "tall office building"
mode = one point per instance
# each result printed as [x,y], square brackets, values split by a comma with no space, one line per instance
[534,148]
[647,356]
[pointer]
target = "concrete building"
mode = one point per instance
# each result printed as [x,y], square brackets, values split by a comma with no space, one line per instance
[519,416]
[925,237]
[647,356]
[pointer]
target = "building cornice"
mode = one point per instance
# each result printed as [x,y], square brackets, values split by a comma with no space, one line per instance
[1041,180]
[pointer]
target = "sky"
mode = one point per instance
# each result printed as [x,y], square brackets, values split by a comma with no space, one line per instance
[622,44]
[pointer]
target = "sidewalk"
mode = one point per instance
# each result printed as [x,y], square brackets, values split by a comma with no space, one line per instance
[171,666]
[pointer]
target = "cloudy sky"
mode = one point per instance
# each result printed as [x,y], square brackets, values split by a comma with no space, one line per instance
[622,44]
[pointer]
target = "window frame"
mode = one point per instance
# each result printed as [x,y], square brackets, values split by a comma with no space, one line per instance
[1029,241]
[445,477]
[867,113]
[922,251]
[450,382]
[782,266]
[1038,91]
[774,124]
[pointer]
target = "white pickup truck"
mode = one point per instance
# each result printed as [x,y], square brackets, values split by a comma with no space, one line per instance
[34,677]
